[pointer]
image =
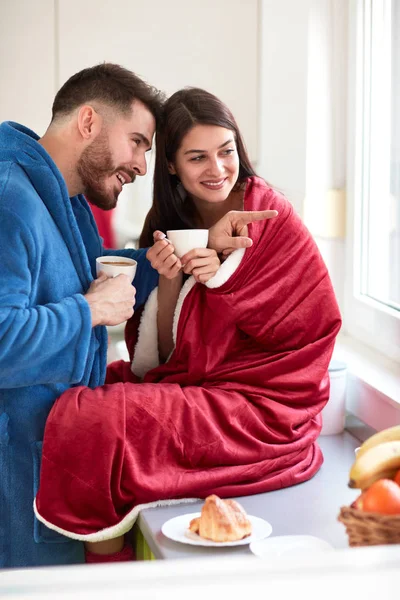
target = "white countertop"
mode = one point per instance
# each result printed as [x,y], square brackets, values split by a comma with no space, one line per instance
[309,508]
[358,574]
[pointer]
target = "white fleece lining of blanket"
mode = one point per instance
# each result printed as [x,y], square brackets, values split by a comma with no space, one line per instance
[227,269]
[187,286]
[116,530]
[146,349]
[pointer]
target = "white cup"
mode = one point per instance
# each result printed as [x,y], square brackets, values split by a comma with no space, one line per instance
[334,412]
[185,240]
[116,265]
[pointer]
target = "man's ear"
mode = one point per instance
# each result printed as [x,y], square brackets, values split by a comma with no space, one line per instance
[171,169]
[89,122]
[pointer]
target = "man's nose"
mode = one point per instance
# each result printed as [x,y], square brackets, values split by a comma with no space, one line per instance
[139,164]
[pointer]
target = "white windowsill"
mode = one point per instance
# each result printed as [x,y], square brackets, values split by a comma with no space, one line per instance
[373,384]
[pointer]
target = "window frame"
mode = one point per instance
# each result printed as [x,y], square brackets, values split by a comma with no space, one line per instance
[364,319]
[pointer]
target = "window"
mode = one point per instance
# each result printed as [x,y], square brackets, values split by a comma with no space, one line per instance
[380,215]
[372,303]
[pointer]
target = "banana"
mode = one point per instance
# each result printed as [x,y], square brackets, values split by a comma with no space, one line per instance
[391,434]
[382,461]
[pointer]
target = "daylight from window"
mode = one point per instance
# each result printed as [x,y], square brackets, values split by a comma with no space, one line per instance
[380,202]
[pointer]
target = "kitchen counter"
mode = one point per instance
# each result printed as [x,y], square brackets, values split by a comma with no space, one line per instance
[310,508]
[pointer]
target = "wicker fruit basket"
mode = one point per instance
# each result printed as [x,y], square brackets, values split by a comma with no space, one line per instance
[369,529]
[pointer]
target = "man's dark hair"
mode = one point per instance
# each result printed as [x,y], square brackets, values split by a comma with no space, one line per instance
[109,84]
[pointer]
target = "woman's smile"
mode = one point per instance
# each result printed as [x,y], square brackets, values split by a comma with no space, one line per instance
[214,185]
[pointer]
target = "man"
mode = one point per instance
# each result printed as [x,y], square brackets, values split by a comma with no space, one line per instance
[53,311]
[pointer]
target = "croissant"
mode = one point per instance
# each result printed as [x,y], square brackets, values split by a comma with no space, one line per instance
[221,521]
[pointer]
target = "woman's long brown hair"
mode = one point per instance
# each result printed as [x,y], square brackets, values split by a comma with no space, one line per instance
[182,111]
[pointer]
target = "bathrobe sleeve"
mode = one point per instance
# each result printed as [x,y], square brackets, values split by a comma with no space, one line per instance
[39,343]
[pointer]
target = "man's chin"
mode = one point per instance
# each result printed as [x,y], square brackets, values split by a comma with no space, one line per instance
[101,202]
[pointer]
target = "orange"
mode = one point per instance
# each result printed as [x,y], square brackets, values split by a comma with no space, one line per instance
[358,502]
[397,477]
[382,497]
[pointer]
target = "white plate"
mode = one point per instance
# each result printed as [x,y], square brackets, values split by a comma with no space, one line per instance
[176,529]
[288,545]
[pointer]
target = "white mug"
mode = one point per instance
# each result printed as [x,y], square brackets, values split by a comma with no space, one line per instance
[185,240]
[116,265]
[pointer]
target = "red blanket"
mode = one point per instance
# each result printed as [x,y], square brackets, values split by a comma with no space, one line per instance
[234,411]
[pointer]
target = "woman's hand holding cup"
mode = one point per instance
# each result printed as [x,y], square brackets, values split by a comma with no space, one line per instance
[202,263]
[162,258]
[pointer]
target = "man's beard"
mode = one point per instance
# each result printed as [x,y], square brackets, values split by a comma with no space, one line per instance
[94,167]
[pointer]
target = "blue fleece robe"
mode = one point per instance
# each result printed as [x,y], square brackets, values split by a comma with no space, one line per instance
[48,246]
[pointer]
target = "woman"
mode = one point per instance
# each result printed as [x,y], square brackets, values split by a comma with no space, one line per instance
[234,407]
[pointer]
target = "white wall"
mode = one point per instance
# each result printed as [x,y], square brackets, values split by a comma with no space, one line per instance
[212,44]
[283,96]
[27,62]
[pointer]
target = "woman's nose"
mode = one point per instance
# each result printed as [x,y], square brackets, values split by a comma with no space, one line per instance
[216,167]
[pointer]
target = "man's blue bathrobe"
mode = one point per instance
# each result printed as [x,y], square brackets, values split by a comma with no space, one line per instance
[48,246]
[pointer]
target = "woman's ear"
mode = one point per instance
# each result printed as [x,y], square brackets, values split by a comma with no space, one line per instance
[171,169]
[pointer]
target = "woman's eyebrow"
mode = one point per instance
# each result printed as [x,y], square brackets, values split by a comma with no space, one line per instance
[219,147]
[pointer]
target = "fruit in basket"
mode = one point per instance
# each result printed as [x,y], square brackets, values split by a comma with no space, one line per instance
[382,497]
[374,517]
[381,461]
[358,502]
[392,434]
[397,477]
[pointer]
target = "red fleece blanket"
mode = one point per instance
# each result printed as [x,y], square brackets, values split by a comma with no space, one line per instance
[234,411]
